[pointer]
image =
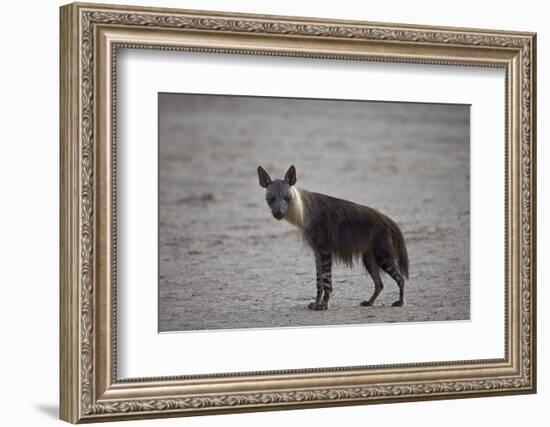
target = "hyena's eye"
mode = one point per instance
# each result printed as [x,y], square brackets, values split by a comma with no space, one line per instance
[286,198]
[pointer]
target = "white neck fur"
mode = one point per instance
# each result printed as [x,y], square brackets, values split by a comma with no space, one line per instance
[295,212]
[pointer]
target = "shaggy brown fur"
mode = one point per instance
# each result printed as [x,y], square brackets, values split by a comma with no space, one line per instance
[348,231]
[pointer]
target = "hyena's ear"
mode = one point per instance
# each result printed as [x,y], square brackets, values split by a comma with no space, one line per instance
[264,177]
[290,175]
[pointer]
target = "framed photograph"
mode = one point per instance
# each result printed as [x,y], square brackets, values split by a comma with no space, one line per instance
[267,212]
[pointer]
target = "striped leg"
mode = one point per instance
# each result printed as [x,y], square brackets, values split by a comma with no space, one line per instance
[374,272]
[389,267]
[319,281]
[326,276]
[323,263]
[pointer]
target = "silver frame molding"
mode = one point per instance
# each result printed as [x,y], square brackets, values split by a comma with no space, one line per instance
[90,37]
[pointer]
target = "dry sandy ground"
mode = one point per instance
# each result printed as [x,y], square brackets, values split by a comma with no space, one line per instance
[225,262]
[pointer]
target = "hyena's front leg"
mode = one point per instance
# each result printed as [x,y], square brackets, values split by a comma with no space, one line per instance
[319,281]
[323,265]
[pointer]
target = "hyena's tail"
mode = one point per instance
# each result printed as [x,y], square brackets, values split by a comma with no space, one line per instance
[400,250]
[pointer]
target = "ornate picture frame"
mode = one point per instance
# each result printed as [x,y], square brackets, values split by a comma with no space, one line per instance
[90,37]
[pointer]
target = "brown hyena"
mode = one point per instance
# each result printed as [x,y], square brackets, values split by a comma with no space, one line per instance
[339,230]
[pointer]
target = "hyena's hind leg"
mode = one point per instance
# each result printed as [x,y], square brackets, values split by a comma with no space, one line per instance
[374,271]
[323,265]
[389,266]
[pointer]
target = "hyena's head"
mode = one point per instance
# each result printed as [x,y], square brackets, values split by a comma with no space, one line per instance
[279,194]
